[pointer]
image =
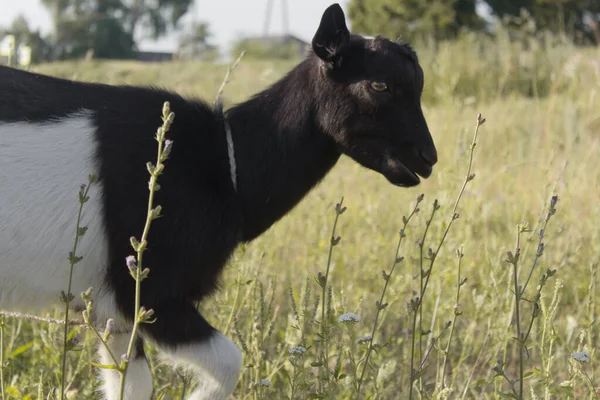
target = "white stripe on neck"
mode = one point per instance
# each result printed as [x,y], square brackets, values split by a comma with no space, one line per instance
[231,154]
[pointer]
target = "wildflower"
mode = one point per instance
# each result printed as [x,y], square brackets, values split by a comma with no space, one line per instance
[110,326]
[71,343]
[109,329]
[297,350]
[445,393]
[581,356]
[145,315]
[349,318]
[87,294]
[265,382]
[71,393]
[131,263]
[363,339]
[167,149]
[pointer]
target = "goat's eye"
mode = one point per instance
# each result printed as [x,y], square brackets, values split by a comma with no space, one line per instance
[379,86]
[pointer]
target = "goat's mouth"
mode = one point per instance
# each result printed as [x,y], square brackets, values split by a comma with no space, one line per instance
[399,172]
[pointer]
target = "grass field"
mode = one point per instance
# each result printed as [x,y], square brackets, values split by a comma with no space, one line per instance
[541,139]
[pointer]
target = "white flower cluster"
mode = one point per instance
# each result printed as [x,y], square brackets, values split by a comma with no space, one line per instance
[581,356]
[349,317]
[297,350]
[367,338]
[265,382]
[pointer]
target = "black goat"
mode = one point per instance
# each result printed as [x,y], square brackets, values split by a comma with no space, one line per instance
[352,95]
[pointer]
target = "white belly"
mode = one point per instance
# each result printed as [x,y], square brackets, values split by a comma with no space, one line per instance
[42,166]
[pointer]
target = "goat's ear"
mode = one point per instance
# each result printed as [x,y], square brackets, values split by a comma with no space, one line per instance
[332,38]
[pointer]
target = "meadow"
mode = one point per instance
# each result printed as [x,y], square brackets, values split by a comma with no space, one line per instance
[480,283]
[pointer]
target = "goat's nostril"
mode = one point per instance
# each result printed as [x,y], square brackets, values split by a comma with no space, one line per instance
[429,156]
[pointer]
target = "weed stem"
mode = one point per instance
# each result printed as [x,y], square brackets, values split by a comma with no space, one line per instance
[387,278]
[67,297]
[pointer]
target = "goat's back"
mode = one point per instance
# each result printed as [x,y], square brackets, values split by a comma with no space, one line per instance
[54,133]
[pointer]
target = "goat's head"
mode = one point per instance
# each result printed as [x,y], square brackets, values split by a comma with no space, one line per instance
[369,101]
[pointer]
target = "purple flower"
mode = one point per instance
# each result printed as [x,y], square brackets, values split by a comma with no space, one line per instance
[168,145]
[110,326]
[130,260]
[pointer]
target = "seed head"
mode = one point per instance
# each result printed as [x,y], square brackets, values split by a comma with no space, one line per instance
[131,263]
[297,350]
[364,339]
[265,382]
[581,356]
[349,318]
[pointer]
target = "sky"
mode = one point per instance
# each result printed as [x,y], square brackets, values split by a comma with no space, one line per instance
[228,19]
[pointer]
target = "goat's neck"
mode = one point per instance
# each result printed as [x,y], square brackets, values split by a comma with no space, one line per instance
[279,151]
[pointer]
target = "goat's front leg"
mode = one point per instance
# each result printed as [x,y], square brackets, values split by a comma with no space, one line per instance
[187,338]
[138,380]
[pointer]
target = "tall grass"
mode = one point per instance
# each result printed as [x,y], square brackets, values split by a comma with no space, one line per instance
[480,328]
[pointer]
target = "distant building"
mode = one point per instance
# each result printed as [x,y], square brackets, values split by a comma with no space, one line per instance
[196,51]
[153,56]
[278,41]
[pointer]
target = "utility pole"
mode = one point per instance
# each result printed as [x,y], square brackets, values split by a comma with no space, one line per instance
[284,17]
[267,17]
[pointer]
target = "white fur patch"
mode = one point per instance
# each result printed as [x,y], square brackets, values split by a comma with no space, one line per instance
[138,380]
[218,360]
[42,166]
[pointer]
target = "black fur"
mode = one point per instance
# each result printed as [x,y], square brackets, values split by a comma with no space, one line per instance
[286,140]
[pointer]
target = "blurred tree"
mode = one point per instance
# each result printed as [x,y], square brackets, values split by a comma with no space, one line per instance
[509,7]
[414,19]
[153,16]
[566,17]
[466,15]
[196,46]
[107,39]
[442,19]
[82,26]
[108,28]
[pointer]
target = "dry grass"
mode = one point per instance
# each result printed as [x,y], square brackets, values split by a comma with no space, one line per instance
[531,147]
